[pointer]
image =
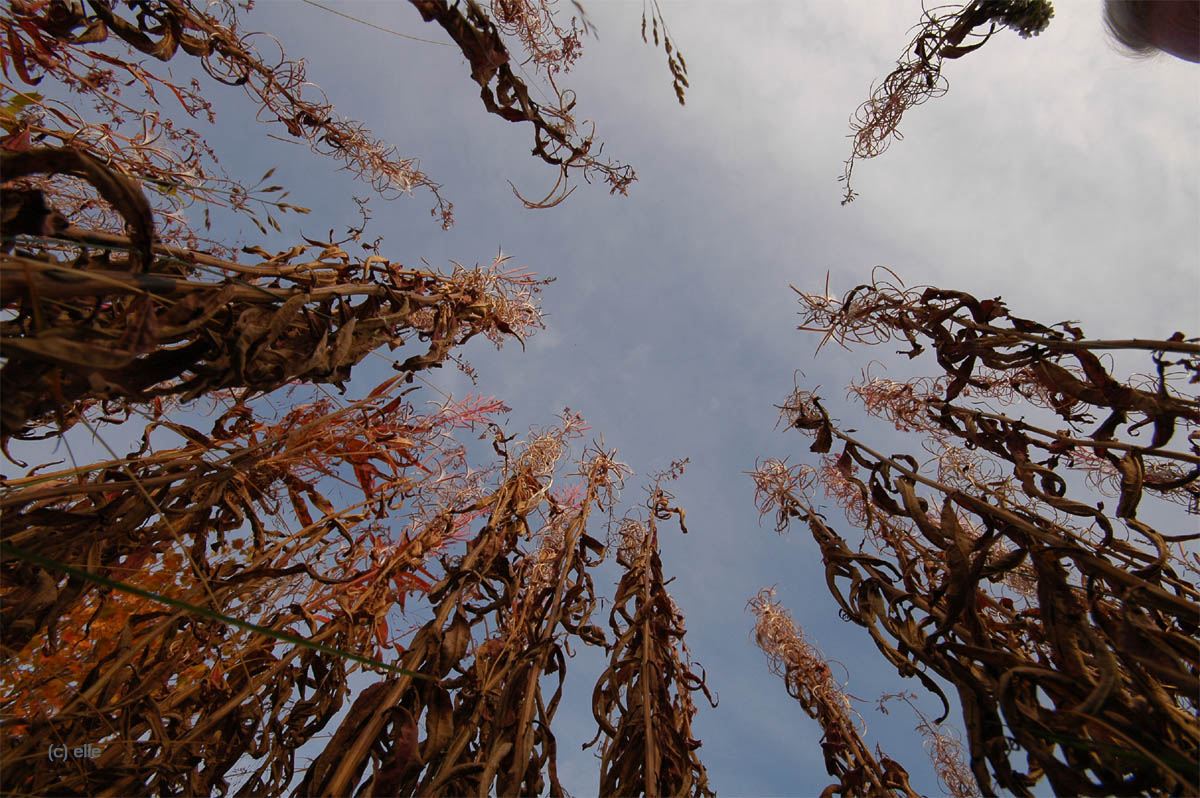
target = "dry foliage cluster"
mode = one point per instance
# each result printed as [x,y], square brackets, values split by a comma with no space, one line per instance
[944,745]
[1067,627]
[557,139]
[62,41]
[642,701]
[918,74]
[809,680]
[195,607]
[120,321]
[503,619]
[65,41]
[175,700]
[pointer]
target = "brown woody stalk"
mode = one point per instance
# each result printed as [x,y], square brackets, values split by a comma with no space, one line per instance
[810,681]
[1091,665]
[918,73]
[84,666]
[486,723]
[128,331]
[642,701]
[58,39]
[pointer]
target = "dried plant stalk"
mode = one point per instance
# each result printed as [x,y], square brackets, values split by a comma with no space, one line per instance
[487,724]
[59,39]
[83,667]
[945,750]
[1067,628]
[642,702]
[131,330]
[233,590]
[555,138]
[918,73]
[810,681]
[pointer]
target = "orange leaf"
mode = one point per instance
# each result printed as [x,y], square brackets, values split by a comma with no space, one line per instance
[383,386]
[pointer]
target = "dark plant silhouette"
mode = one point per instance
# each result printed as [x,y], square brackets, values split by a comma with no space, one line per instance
[945,32]
[1067,626]
[194,608]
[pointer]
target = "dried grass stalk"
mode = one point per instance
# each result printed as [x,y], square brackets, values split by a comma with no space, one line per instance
[810,681]
[1067,627]
[642,702]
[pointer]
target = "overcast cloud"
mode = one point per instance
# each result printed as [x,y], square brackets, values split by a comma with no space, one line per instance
[1055,173]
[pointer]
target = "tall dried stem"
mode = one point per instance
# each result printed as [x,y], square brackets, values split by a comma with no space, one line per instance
[1067,627]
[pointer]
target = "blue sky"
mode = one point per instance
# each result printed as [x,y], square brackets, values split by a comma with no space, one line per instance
[1055,173]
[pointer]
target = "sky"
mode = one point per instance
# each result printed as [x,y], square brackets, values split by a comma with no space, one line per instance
[1056,173]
